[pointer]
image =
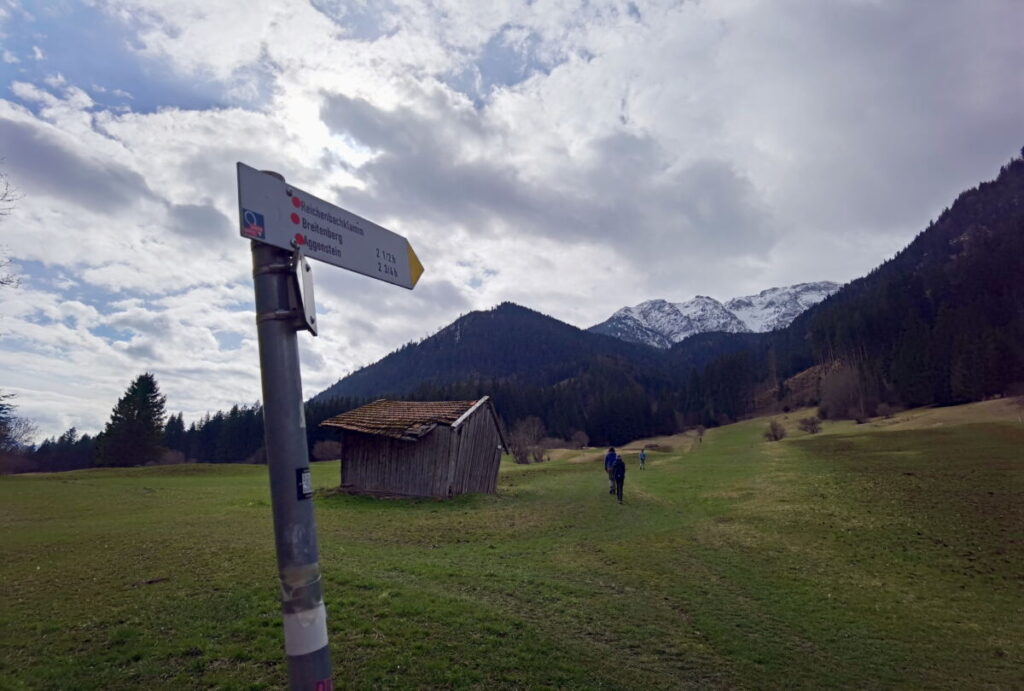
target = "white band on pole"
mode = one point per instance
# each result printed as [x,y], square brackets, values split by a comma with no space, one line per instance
[305,632]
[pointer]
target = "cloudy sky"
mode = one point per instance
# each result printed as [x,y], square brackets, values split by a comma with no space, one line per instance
[573,156]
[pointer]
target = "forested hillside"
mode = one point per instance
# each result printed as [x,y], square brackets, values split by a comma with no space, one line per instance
[573,380]
[508,341]
[942,322]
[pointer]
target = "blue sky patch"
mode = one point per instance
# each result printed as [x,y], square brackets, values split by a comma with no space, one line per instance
[40,276]
[360,21]
[95,52]
[109,333]
[504,61]
[228,340]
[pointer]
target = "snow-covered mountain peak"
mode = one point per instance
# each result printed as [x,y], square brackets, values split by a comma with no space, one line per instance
[775,308]
[661,323]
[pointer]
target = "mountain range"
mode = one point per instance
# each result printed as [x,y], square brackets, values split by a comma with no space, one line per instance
[939,323]
[512,341]
[661,323]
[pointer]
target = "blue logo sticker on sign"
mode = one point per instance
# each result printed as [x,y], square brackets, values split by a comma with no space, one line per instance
[252,225]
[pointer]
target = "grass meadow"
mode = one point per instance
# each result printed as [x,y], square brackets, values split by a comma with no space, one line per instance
[887,555]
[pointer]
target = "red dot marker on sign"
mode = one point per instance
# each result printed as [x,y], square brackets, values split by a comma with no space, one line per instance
[296,203]
[300,239]
[295,219]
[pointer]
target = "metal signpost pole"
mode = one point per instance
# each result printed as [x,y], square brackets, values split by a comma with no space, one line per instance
[286,225]
[305,619]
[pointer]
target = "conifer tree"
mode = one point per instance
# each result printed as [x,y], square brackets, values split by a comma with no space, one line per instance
[174,432]
[134,433]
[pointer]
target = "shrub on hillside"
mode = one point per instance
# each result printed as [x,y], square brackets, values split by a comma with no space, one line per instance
[169,457]
[775,431]
[258,457]
[811,425]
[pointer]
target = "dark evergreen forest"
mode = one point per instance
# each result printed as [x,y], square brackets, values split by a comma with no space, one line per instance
[943,321]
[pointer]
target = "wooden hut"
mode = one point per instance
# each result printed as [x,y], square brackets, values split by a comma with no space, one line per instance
[421,449]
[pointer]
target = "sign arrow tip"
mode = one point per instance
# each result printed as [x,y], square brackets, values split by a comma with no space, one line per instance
[415,268]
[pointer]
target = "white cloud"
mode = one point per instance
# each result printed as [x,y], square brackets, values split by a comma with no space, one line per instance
[574,157]
[55,81]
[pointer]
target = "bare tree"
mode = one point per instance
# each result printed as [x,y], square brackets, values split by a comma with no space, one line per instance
[519,450]
[579,439]
[7,194]
[524,438]
[16,433]
[7,198]
[6,277]
[843,395]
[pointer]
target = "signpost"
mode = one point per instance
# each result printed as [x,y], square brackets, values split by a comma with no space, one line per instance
[286,225]
[284,216]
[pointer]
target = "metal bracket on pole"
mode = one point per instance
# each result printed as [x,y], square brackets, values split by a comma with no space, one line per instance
[301,304]
[303,290]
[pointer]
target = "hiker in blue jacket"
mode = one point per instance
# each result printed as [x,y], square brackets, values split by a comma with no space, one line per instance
[643,457]
[609,463]
[619,472]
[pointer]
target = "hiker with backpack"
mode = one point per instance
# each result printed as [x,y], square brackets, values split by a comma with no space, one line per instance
[609,464]
[619,475]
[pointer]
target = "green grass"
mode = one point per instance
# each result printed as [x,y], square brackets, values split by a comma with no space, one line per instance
[857,558]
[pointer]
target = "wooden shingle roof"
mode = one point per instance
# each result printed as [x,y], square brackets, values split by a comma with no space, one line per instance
[407,420]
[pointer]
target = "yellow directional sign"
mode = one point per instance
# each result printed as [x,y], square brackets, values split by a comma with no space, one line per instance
[282,215]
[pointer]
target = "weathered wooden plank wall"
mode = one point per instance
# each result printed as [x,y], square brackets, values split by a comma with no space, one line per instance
[444,463]
[439,479]
[383,464]
[477,457]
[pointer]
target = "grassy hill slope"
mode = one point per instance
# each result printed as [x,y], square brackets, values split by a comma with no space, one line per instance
[861,557]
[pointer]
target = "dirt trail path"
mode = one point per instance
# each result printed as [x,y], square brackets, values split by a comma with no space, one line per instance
[676,443]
